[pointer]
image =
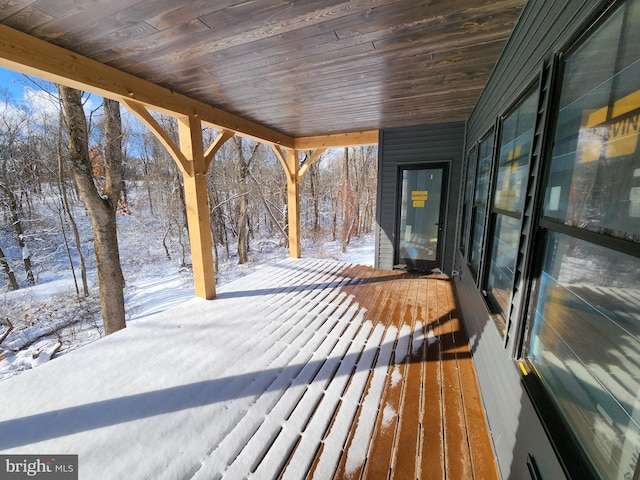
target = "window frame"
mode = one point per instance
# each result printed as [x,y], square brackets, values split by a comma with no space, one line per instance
[478,271]
[471,158]
[499,316]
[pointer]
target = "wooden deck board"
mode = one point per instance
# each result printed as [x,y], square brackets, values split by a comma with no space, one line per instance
[432,447]
[379,458]
[340,372]
[406,448]
[457,460]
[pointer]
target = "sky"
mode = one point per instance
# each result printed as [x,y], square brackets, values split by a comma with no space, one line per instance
[24,94]
[16,83]
[34,96]
[11,81]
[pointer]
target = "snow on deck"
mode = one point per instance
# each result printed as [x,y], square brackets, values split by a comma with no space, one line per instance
[304,367]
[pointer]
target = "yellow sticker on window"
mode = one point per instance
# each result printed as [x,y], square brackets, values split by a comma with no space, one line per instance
[419,195]
[616,129]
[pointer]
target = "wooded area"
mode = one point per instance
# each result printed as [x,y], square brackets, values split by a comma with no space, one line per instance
[43,209]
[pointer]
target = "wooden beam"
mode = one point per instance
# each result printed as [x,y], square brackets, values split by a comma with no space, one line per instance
[158,131]
[193,163]
[353,139]
[222,137]
[309,161]
[197,203]
[281,156]
[27,54]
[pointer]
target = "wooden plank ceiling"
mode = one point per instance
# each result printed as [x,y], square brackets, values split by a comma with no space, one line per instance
[303,68]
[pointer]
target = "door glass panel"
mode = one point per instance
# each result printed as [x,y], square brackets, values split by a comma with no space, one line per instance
[420,215]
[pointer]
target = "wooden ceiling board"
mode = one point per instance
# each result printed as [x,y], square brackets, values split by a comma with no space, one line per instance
[304,68]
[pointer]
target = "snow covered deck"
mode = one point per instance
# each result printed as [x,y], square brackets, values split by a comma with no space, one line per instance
[304,369]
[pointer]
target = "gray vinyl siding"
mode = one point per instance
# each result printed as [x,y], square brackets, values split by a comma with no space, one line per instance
[412,146]
[545,27]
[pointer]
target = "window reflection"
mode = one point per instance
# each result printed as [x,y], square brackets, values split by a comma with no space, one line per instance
[595,172]
[508,200]
[484,170]
[468,196]
[480,197]
[586,347]
[476,240]
[503,260]
[515,150]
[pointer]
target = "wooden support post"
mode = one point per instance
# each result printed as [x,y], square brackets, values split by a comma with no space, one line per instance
[193,162]
[293,202]
[291,166]
[197,203]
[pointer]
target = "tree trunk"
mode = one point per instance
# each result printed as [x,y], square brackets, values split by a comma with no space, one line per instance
[347,213]
[242,222]
[72,221]
[6,268]
[67,248]
[243,174]
[101,206]
[268,212]
[17,228]
[315,193]
[147,182]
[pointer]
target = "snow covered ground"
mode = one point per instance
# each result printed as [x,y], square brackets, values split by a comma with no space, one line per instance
[151,288]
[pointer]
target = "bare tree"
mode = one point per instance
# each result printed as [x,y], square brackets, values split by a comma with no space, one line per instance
[314,184]
[348,198]
[16,222]
[6,268]
[12,184]
[67,208]
[244,164]
[102,206]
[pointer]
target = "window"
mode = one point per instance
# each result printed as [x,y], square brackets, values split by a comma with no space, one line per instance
[595,172]
[586,347]
[508,201]
[585,341]
[478,212]
[467,201]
